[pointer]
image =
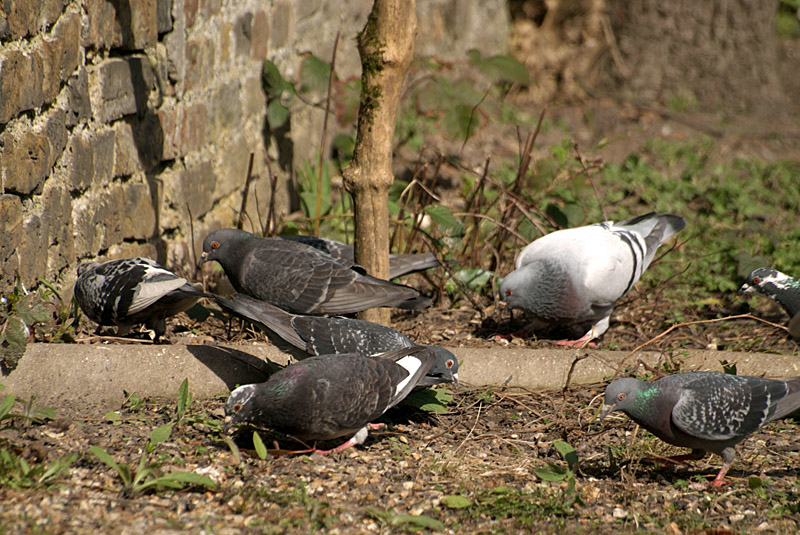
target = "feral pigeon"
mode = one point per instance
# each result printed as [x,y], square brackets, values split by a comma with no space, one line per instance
[130,291]
[705,411]
[330,396]
[399,264]
[299,278]
[576,275]
[306,336]
[778,287]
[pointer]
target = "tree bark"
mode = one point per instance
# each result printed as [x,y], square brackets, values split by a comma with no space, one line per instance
[386,47]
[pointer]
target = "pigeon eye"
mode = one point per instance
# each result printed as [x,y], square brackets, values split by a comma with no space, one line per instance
[508,293]
[215,245]
[621,396]
[449,363]
[756,280]
[237,407]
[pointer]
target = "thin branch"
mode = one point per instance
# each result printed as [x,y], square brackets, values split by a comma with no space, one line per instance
[324,134]
[579,157]
[245,193]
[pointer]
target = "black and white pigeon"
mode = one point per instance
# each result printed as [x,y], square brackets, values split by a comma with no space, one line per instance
[782,288]
[131,291]
[399,264]
[575,276]
[299,278]
[330,396]
[306,336]
[705,411]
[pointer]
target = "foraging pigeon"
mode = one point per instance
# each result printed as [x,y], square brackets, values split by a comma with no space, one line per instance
[130,291]
[299,278]
[577,275]
[306,336]
[778,287]
[705,411]
[330,396]
[399,264]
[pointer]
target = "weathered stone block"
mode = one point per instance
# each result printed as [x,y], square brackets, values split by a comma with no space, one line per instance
[126,155]
[193,187]
[193,128]
[211,7]
[79,162]
[228,105]
[25,161]
[20,83]
[138,146]
[121,23]
[168,124]
[164,12]
[255,100]
[21,17]
[103,153]
[140,216]
[124,87]
[60,54]
[56,131]
[57,212]
[80,105]
[233,166]
[199,63]
[243,33]
[190,12]
[282,20]
[33,250]
[259,35]
[98,220]
[10,238]
[175,43]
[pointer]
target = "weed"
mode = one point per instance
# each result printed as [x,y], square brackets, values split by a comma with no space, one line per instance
[403,521]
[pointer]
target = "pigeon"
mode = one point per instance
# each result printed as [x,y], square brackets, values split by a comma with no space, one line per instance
[306,336]
[399,264]
[130,291]
[330,396]
[575,276]
[778,287]
[299,278]
[705,411]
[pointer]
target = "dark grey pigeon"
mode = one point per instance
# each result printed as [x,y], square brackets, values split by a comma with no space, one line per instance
[705,411]
[130,291]
[330,396]
[306,336]
[299,278]
[399,264]
[575,276]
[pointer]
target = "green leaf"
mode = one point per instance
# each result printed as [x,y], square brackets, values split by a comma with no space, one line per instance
[273,81]
[277,114]
[568,453]
[314,74]
[6,406]
[31,309]
[160,434]
[16,335]
[258,444]
[442,215]
[233,447]
[112,416]
[461,121]
[456,502]
[184,399]
[189,478]
[419,520]
[553,473]
[429,399]
[501,68]
[123,470]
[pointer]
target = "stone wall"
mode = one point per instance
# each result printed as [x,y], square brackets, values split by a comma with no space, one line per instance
[119,118]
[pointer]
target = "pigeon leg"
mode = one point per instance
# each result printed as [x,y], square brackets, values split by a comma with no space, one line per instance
[719,480]
[583,341]
[358,438]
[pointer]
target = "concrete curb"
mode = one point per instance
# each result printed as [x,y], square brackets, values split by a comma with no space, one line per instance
[83,378]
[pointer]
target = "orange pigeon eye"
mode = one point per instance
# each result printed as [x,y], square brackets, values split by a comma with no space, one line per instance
[214,244]
[621,396]
[237,407]
[449,363]
[756,280]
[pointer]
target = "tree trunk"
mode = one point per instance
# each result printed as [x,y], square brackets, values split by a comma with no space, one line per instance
[386,47]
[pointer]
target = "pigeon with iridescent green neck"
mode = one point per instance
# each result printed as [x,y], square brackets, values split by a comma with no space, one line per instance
[705,411]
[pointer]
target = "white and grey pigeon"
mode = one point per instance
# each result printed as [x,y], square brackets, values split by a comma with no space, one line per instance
[330,396]
[131,291]
[399,264]
[299,278]
[306,336]
[575,276]
[705,411]
[782,288]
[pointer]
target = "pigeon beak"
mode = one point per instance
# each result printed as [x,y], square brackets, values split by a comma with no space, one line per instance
[607,409]
[745,289]
[457,384]
[203,258]
[227,423]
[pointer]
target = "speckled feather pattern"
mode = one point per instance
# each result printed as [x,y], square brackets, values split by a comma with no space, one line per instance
[777,286]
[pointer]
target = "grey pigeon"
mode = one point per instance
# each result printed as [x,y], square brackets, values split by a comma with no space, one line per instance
[778,287]
[330,396]
[576,275]
[705,411]
[399,264]
[306,336]
[299,278]
[130,291]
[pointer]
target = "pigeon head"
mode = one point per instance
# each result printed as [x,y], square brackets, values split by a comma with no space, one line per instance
[445,367]
[219,244]
[86,266]
[239,408]
[628,395]
[763,280]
